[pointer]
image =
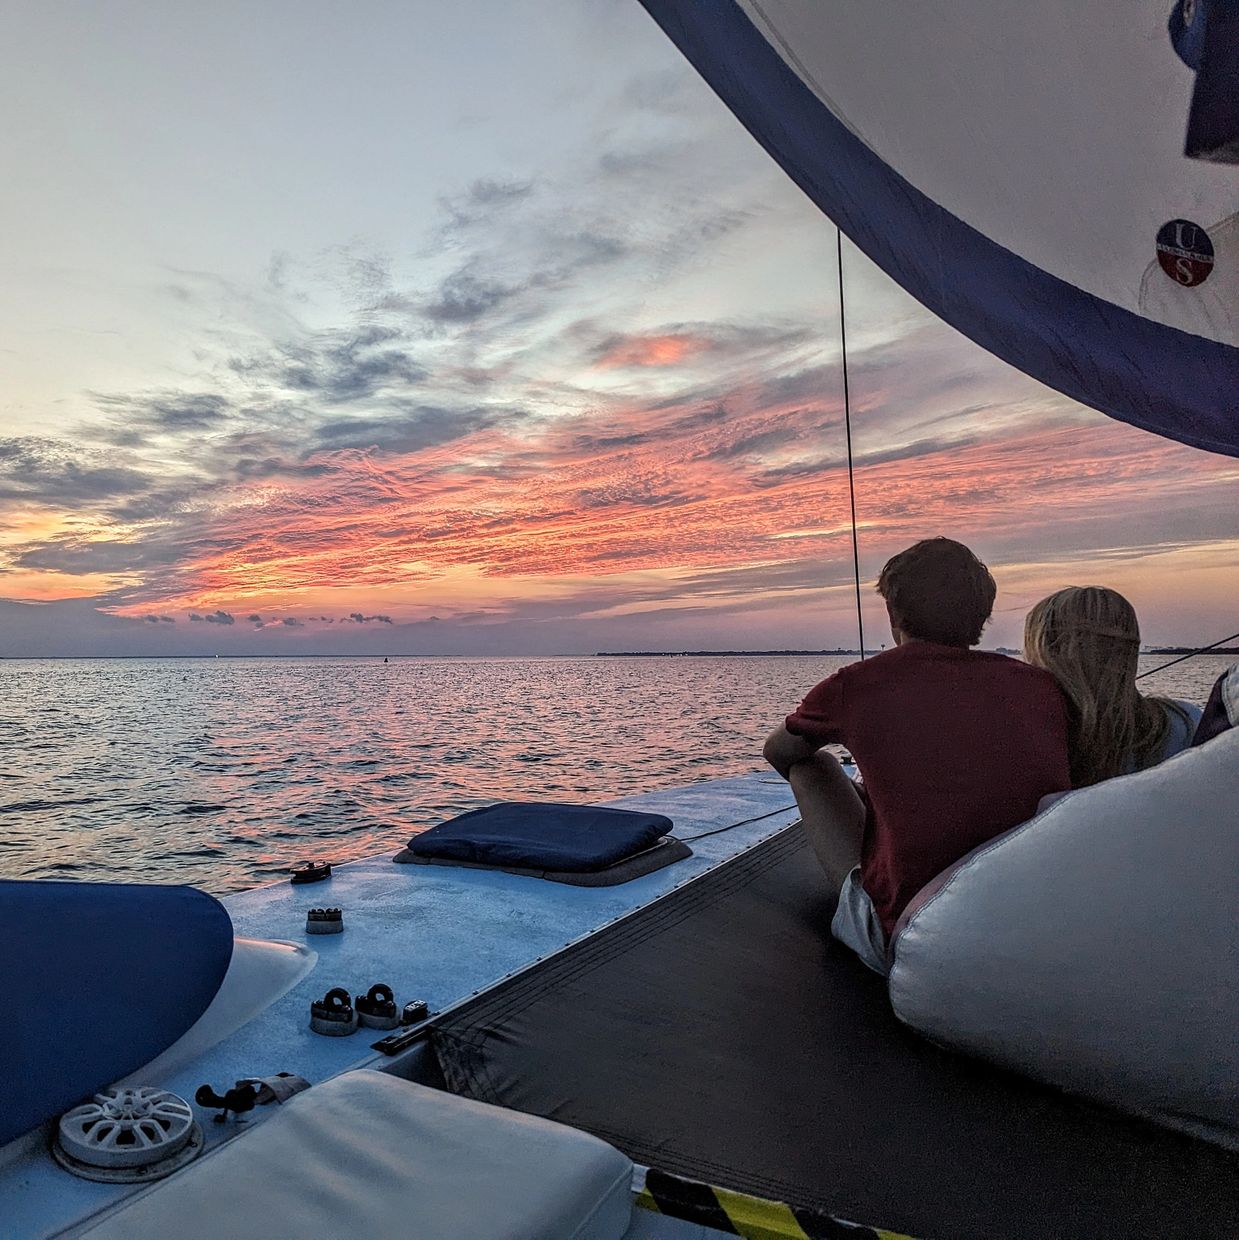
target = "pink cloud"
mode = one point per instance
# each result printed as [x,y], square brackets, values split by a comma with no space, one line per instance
[666,350]
[676,487]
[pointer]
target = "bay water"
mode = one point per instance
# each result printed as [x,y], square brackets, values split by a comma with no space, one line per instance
[223,772]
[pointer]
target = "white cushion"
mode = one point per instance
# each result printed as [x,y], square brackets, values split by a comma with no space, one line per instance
[1097,946]
[369,1155]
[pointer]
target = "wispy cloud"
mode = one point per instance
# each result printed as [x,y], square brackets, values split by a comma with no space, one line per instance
[582,399]
[50,472]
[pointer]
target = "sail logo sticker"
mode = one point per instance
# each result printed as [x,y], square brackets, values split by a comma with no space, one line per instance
[1185,252]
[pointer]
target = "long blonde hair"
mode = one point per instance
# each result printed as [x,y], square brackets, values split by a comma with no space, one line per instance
[1089,638]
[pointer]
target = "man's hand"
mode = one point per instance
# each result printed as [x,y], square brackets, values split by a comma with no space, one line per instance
[783,749]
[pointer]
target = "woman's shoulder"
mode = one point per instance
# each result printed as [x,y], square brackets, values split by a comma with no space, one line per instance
[1183,718]
[1176,708]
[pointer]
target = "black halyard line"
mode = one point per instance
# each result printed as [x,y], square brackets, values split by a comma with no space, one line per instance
[847,427]
[686,839]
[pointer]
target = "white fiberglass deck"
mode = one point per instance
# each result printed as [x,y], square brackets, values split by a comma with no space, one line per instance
[430,932]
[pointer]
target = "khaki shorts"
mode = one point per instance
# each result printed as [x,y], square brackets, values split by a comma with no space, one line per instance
[856,924]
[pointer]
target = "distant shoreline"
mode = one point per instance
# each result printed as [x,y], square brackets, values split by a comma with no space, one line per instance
[1190,650]
[767,654]
[838,652]
[714,654]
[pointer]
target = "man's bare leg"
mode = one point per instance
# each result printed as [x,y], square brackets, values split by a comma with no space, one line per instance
[831,811]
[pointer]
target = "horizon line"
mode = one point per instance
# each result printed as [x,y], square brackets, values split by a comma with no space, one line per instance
[833,652]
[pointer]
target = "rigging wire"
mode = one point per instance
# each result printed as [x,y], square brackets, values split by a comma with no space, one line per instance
[731,826]
[847,426]
[1191,655]
[845,758]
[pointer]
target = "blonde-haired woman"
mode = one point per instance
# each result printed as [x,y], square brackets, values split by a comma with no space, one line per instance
[1089,639]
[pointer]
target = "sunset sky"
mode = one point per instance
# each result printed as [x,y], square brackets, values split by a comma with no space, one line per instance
[414,328]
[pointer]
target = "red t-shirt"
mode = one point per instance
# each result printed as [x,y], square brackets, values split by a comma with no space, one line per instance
[955,747]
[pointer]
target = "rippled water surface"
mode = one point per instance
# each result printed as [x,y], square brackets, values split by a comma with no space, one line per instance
[221,772]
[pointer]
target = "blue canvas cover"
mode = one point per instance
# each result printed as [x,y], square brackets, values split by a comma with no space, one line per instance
[543,835]
[101,978]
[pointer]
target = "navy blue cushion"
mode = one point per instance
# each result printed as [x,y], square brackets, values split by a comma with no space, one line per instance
[99,978]
[542,835]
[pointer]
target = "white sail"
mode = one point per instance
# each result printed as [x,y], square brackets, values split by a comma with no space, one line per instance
[1020,169]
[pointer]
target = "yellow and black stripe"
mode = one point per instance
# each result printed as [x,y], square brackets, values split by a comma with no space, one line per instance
[755,1218]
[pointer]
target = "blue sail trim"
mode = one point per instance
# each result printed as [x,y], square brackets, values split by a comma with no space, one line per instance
[99,979]
[1158,378]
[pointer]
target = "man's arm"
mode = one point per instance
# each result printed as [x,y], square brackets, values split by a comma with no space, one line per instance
[783,749]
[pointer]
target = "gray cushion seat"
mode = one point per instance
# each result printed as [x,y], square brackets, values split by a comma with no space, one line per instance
[369,1155]
[1096,947]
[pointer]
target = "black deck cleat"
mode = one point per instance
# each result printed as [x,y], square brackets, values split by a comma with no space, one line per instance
[310,871]
[377,1008]
[333,1015]
[241,1098]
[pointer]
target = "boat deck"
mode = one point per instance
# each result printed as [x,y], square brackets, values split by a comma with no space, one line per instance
[430,932]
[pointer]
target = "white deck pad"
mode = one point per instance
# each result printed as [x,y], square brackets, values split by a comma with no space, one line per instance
[367,1154]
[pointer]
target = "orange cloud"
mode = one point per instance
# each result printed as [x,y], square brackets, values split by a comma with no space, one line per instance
[47,586]
[493,519]
[667,350]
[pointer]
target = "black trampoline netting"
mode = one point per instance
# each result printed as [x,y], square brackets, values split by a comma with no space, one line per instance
[722,1035]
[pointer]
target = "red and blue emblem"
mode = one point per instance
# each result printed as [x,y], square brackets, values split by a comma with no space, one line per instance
[1185,252]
